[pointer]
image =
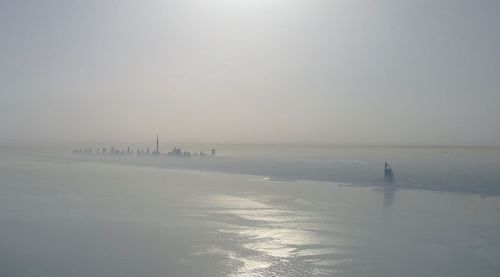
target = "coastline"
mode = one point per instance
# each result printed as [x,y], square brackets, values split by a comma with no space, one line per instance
[175,164]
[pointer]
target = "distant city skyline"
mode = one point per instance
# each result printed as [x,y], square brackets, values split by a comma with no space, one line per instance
[251,72]
[142,151]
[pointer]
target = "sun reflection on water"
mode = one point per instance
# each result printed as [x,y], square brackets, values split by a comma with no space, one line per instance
[269,238]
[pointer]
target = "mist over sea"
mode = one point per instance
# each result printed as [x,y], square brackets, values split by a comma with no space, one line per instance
[455,169]
[250,211]
[102,102]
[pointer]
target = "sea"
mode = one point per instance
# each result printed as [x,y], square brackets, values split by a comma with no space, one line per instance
[251,210]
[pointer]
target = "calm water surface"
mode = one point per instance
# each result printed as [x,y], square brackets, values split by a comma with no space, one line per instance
[61,218]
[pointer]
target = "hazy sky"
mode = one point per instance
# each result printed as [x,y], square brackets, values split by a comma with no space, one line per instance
[251,71]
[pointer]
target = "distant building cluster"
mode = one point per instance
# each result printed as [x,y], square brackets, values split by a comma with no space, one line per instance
[112,151]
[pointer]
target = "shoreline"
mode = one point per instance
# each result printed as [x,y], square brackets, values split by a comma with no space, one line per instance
[268,178]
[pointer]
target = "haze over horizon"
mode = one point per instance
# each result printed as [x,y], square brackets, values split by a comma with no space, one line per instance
[242,71]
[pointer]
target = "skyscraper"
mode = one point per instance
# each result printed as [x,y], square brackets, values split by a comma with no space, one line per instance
[157,150]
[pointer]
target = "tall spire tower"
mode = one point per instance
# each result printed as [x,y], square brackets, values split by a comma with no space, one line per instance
[157,144]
